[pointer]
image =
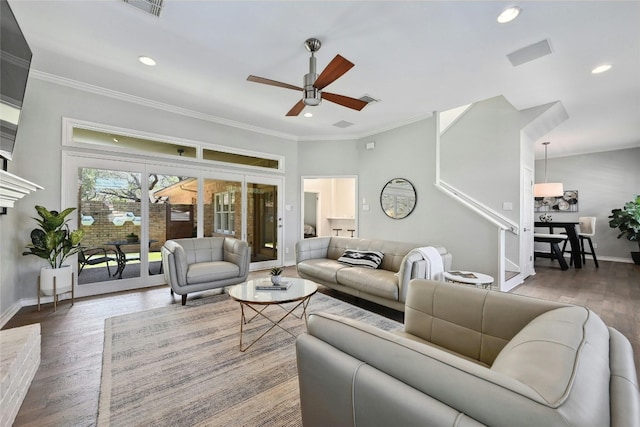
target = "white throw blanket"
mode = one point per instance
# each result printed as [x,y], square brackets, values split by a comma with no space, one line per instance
[435,267]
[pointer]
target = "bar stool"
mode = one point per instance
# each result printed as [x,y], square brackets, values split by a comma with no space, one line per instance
[586,230]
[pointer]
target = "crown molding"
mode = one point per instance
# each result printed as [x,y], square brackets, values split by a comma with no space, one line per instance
[98,90]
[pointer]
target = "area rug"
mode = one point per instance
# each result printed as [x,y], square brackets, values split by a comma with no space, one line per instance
[181,365]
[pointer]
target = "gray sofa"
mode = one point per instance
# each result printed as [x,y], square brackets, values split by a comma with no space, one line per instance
[317,260]
[468,357]
[199,264]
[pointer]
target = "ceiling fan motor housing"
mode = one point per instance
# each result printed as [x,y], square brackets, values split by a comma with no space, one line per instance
[311,95]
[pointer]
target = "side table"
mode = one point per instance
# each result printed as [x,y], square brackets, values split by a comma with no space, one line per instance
[469,278]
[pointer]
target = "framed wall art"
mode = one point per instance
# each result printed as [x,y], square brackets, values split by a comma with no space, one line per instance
[568,202]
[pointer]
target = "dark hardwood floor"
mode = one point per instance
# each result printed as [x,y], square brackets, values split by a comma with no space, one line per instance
[65,389]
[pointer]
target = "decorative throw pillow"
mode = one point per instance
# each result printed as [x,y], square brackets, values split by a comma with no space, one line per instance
[361,258]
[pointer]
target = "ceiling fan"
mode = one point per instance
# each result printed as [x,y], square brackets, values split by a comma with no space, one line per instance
[312,92]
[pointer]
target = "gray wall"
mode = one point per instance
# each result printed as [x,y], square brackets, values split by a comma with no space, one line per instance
[407,152]
[604,181]
[481,156]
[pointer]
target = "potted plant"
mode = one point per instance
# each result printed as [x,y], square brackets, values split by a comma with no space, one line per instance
[132,238]
[275,275]
[54,242]
[627,220]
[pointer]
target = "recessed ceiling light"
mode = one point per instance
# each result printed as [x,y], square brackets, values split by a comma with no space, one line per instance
[601,69]
[509,14]
[308,115]
[146,60]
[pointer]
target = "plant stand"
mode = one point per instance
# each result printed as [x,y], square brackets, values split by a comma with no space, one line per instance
[55,291]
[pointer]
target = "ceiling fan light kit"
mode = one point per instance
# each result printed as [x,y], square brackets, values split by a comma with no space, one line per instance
[313,84]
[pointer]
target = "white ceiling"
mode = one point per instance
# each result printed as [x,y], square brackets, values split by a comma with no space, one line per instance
[415,56]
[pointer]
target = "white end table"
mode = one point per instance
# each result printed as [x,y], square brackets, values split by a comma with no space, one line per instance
[469,278]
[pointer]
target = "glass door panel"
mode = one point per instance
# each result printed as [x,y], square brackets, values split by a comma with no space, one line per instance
[110,213]
[222,208]
[264,221]
[173,204]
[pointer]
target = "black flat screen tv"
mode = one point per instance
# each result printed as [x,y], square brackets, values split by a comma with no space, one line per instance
[15,61]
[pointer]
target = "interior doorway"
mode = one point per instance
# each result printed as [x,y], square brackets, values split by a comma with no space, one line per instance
[329,206]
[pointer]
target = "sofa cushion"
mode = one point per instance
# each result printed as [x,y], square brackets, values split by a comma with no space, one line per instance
[394,252]
[321,268]
[361,258]
[544,354]
[210,271]
[473,322]
[377,282]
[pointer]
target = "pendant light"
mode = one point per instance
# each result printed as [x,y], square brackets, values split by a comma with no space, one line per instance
[547,189]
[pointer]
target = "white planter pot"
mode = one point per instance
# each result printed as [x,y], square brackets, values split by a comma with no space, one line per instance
[275,280]
[63,277]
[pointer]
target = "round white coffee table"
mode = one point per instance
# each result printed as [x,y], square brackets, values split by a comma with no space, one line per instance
[258,294]
[469,278]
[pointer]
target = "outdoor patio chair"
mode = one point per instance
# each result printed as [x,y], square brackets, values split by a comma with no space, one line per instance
[94,256]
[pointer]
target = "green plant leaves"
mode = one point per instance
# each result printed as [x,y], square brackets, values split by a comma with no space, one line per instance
[627,220]
[54,241]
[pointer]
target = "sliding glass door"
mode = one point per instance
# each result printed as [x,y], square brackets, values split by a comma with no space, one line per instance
[264,221]
[245,207]
[129,209]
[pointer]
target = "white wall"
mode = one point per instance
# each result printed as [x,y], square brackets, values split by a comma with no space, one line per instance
[604,181]
[38,159]
[321,187]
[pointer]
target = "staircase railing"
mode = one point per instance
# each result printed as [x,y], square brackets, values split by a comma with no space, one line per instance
[501,223]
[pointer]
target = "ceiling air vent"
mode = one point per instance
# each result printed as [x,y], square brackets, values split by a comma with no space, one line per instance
[343,124]
[529,53]
[153,7]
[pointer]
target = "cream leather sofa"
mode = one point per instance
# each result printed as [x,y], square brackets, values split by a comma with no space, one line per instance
[469,357]
[199,264]
[317,260]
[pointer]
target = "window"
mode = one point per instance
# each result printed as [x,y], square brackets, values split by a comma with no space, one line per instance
[224,212]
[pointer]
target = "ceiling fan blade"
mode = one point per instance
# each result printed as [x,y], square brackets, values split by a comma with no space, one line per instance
[345,101]
[337,67]
[297,109]
[270,82]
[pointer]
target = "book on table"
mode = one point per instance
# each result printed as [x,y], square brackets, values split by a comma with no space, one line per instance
[463,274]
[268,286]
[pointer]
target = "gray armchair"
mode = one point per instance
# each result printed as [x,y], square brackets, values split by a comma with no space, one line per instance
[199,264]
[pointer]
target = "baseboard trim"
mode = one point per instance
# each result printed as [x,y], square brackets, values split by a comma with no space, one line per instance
[612,259]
